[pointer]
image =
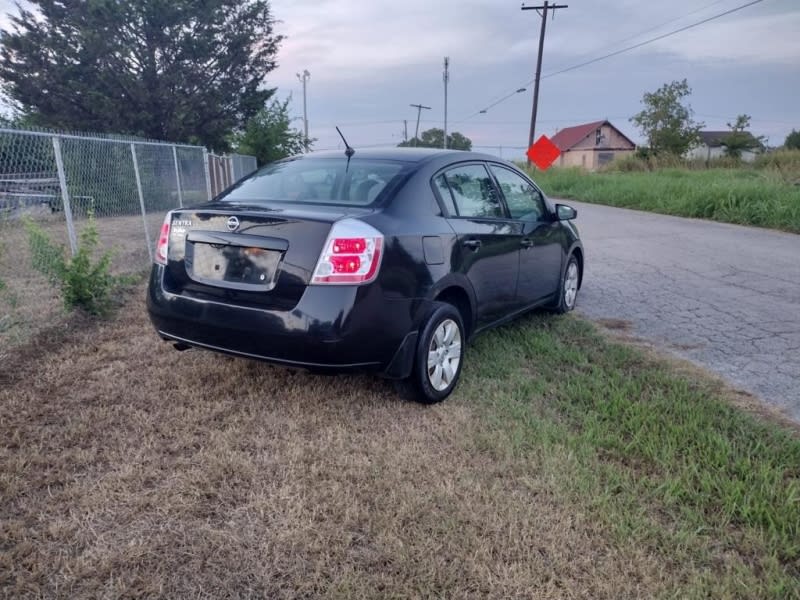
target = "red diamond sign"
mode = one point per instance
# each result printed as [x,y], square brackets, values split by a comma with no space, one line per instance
[543,153]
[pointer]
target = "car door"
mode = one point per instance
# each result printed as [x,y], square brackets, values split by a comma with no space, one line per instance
[540,247]
[486,250]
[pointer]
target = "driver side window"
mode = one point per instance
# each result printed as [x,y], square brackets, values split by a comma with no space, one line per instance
[523,200]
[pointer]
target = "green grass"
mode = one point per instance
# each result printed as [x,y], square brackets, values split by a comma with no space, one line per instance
[747,196]
[659,457]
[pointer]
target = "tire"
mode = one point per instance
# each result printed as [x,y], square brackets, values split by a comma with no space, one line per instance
[441,341]
[568,287]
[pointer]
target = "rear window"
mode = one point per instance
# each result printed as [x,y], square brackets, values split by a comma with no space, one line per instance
[319,181]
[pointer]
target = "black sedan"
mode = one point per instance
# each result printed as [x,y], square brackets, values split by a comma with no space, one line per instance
[382,260]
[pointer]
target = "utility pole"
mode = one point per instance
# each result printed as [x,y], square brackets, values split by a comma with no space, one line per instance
[446,78]
[546,7]
[405,130]
[304,80]
[419,108]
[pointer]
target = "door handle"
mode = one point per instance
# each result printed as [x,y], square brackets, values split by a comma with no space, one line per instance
[527,243]
[472,244]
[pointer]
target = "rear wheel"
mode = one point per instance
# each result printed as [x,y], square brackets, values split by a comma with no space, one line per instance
[439,357]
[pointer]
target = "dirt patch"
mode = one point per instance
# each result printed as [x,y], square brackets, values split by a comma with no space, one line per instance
[128,469]
[615,324]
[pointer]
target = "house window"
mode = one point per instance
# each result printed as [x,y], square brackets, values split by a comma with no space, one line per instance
[603,158]
[599,137]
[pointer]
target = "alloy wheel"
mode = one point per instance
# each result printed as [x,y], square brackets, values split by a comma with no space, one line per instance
[571,285]
[444,355]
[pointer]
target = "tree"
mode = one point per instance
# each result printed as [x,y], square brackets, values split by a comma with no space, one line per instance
[177,70]
[740,139]
[666,122]
[793,140]
[434,138]
[268,135]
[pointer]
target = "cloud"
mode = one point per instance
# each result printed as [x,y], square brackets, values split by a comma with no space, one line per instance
[346,39]
[764,39]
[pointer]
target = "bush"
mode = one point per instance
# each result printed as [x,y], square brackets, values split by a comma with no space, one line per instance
[783,163]
[718,162]
[627,164]
[84,284]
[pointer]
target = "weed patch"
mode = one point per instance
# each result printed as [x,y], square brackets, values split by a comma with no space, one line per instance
[84,282]
[764,196]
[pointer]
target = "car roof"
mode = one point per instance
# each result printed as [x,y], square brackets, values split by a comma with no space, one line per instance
[411,155]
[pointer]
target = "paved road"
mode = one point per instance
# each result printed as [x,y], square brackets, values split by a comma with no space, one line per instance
[724,296]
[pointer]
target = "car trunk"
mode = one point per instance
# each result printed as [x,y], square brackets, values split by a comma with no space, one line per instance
[259,257]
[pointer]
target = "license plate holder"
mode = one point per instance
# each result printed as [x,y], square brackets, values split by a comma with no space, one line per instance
[237,267]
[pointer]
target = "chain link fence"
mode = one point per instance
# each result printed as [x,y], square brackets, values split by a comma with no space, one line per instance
[56,181]
[226,170]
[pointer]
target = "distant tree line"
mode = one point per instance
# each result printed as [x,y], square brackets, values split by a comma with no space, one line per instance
[434,138]
[793,140]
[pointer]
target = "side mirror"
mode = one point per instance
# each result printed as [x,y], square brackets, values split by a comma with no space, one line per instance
[565,213]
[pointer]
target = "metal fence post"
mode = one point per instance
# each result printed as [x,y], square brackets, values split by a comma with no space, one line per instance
[141,201]
[62,182]
[212,176]
[177,176]
[219,178]
[207,174]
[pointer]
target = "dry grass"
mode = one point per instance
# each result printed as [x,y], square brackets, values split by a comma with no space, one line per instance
[128,470]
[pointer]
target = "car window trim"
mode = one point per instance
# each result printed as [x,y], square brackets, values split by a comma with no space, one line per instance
[443,208]
[547,214]
[549,209]
[466,163]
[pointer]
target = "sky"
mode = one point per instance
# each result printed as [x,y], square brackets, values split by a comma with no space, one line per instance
[370,59]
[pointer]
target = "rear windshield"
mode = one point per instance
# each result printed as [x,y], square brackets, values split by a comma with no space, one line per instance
[319,181]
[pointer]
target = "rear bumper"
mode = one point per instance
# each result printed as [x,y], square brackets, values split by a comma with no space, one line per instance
[332,328]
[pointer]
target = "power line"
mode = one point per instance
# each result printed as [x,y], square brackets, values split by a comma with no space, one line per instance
[503,99]
[544,8]
[651,40]
[629,48]
[657,27]
[339,147]
[419,108]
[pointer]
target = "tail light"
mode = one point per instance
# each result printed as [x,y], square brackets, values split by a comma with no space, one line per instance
[351,255]
[162,247]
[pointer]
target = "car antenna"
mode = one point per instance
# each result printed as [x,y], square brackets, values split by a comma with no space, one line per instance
[348,150]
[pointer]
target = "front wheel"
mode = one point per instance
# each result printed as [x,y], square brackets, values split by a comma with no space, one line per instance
[439,357]
[568,290]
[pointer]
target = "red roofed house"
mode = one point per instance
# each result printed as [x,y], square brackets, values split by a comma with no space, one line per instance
[591,145]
